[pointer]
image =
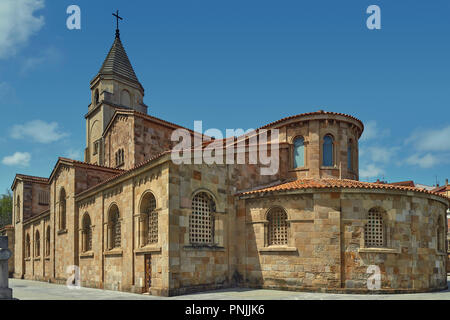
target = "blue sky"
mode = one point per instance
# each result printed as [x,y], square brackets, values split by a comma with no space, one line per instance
[233,64]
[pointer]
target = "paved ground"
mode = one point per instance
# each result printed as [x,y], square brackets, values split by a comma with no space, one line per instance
[34,290]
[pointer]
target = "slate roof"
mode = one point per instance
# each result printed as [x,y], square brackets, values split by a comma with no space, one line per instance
[117,62]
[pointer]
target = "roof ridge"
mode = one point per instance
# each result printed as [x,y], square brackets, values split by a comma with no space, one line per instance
[124,172]
[90,164]
[339,183]
[311,114]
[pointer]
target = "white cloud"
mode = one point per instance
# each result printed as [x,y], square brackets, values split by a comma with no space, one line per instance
[18,23]
[7,93]
[426,161]
[74,154]
[378,154]
[371,131]
[17,159]
[49,55]
[431,140]
[370,171]
[38,131]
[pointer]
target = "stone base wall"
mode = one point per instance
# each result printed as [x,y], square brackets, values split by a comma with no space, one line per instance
[326,242]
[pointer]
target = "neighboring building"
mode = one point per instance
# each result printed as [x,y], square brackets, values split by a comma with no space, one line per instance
[445,191]
[133,220]
[408,183]
[9,232]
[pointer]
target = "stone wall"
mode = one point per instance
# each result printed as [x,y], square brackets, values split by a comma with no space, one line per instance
[65,241]
[123,268]
[194,267]
[119,136]
[326,249]
[313,129]
[150,139]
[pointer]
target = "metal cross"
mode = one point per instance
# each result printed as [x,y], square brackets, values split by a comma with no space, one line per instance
[117,22]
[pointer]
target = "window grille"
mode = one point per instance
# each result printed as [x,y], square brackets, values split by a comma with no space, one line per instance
[278,227]
[152,236]
[201,224]
[374,230]
[115,229]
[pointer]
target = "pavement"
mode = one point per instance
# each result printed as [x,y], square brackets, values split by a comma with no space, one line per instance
[36,290]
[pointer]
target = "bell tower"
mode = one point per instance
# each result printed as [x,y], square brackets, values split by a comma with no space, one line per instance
[115,86]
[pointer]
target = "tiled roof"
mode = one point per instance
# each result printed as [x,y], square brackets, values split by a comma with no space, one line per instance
[35,216]
[86,164]
[443,188]
[32,178]
[408,183]
[320,112]
[117,62]
[121,110]
[140,165]
[24,177]
[332,183]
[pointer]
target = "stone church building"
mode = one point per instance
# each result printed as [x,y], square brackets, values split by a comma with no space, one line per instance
[131,219]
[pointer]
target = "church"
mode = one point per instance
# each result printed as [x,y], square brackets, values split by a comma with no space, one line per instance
[128,218]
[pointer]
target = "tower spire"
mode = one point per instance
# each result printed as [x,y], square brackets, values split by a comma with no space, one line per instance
[117,23]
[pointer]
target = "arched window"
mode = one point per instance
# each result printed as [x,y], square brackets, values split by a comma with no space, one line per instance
[374,231]
[278,227]
[18,209]
[86,233]
[97,97]
[149,220]
[440,235]
[350,155]
[299,152]
[201,223]
[47,242]
[120,157]
[28,246]
[37,245]
[125,99]
[62,209]
[328,151]
[114,231]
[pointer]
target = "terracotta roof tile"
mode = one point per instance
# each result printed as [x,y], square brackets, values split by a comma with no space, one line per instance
[140,165]
[91,165]
[32,178]
[320,112]
[333,183]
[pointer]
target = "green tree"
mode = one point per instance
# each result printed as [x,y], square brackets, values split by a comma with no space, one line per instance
[6,209]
